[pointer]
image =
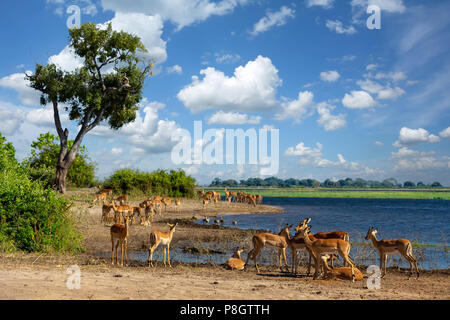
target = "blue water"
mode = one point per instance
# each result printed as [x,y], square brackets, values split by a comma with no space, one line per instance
[422,221]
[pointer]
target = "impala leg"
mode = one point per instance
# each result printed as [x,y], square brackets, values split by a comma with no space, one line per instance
[381,265]
[112,252]
[117,252]
[165,248]
[385,263]
[126,256]
[168,256]
[285,260]
[121,252]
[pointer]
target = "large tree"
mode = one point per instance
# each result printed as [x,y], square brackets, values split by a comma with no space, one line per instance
[107,88]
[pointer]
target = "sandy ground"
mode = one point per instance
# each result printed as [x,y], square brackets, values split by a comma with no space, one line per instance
[44,276]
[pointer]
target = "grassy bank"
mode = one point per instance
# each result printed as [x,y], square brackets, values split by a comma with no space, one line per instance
[442,193]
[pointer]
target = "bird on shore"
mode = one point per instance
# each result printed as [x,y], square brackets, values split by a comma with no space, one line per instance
[221,220]
[234,222]
[216,221]
[206,220]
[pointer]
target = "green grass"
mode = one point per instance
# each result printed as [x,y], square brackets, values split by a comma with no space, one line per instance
[443,193]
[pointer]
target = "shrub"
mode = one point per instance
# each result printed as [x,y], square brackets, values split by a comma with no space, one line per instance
[173,184]
[32,218]
[41,165]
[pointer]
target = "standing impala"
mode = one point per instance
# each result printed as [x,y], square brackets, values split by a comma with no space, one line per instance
[119,233]
[393,247]
[265,239]
[165,238]
[326,246]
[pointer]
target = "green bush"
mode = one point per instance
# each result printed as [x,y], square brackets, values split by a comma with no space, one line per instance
[174,183]
[32,218]
[41,165]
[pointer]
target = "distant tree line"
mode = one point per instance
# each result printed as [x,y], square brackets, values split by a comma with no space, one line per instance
[328,183]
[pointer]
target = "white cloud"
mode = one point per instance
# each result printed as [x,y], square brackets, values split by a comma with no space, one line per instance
[314,157]
[251,88]
[329,76]
[371,67]
[233,118]
[412,160]
[445,133]
[175,69]
[370,86]
[338,27]
[180,12]
[409,137]
[12,118]
[390,93]
[393,6]
[273,19]
[147,28]
[297,109]
[43,117]
[227,58]
[16,81]
[379,143]
[358,100]
[327,120]
[321,3]
[148,133]
[394,76]
[116,151]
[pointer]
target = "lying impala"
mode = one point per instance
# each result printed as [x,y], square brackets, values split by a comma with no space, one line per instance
[165,238]
[326,246]
[392,247]
[235,262]
[341,272]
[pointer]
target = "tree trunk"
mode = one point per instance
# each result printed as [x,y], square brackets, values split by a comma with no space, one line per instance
[60,179]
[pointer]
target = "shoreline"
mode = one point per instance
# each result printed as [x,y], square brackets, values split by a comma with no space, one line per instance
[44,276]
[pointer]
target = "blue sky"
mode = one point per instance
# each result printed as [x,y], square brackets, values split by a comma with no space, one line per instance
[347,101]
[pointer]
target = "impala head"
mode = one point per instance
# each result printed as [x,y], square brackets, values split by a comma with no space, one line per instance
[237,253]
[371,231]
[302,224]
[172,226]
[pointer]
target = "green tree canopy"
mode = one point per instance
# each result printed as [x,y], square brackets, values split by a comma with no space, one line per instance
[44,158]
[107,88]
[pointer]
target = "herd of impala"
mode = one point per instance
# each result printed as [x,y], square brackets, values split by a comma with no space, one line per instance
[321,246]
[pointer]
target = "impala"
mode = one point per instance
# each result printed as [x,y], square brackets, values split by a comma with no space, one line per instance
[205,202]
[107,191]
[165,238]
[157,203]
[166,202]
[258,199]
[123,199]
[177,205]
[326,246]
[121,211]
[101,196]
[106,210]
[235,262]
[392,247]
[265,239]
[119,233]
[341,273]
